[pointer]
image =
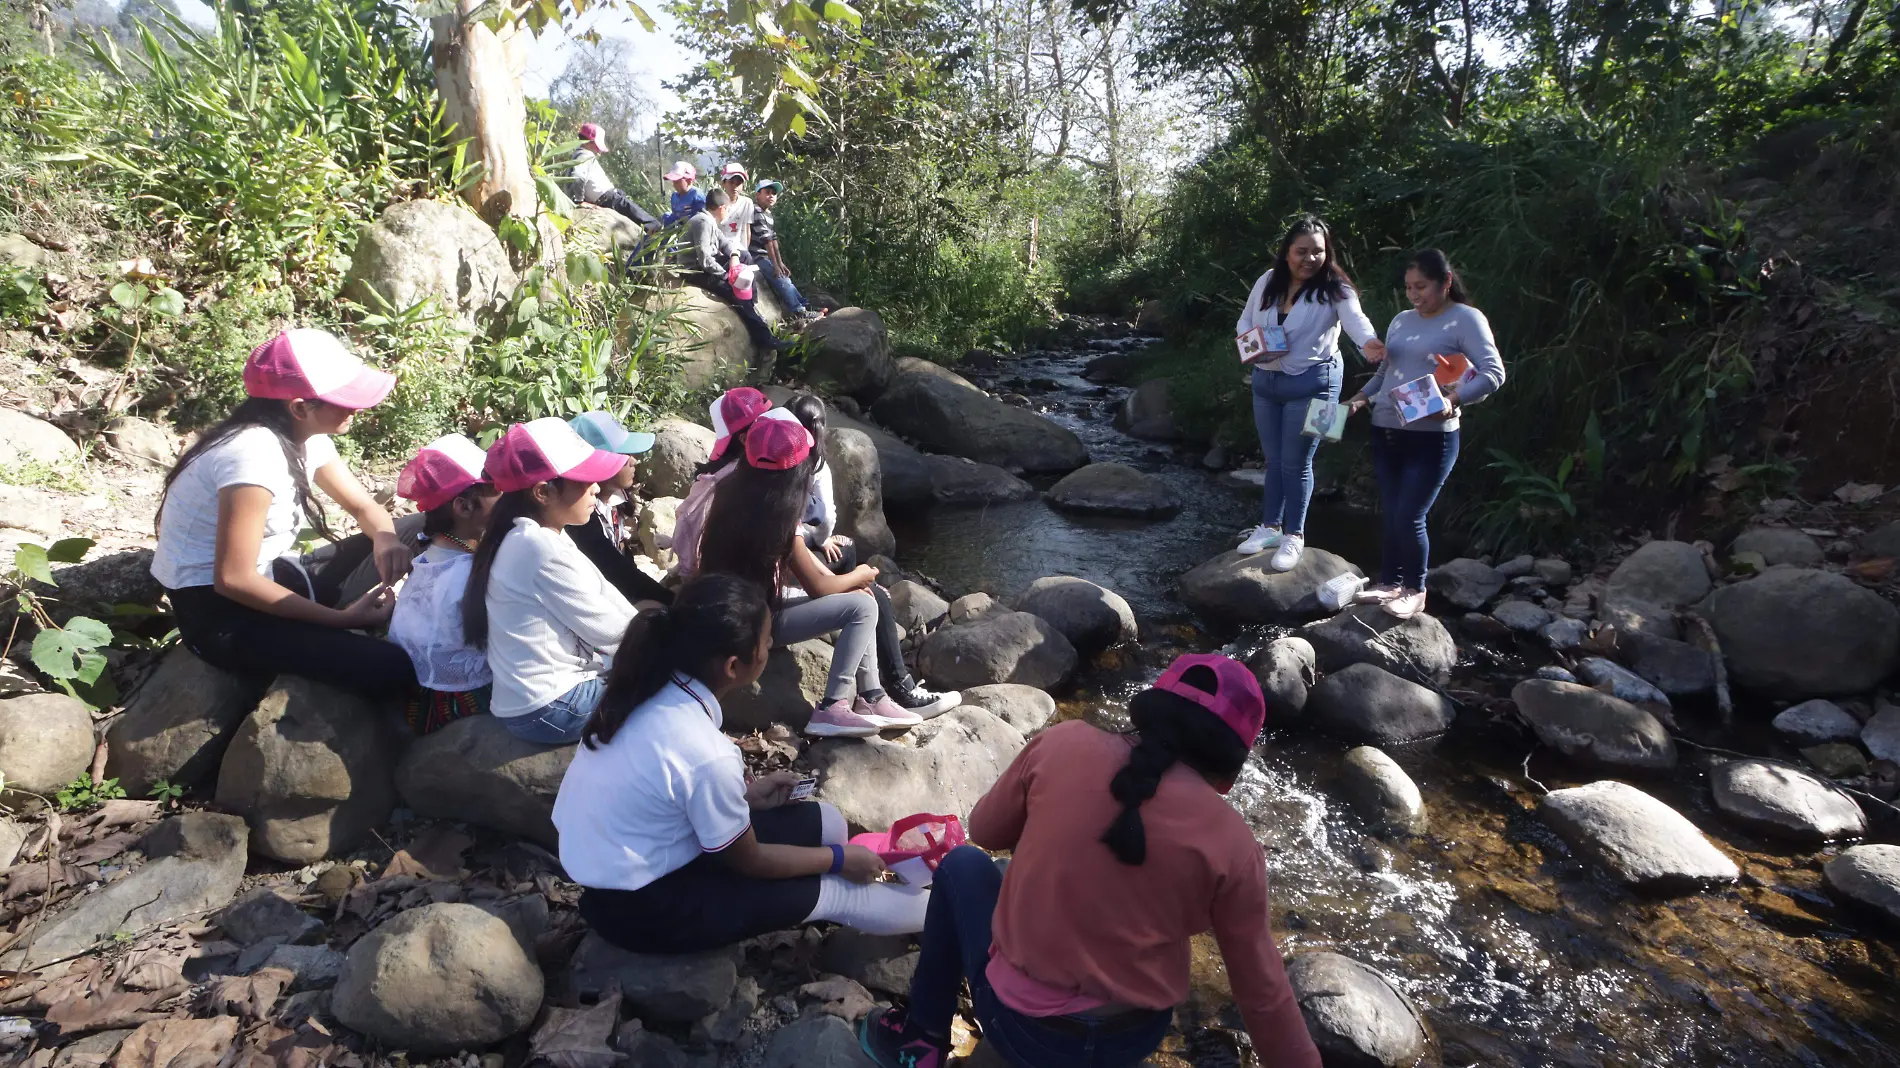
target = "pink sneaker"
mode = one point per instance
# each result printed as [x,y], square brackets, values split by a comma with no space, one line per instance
[1407,604]
[835,719]
[885,712]
[1379,594]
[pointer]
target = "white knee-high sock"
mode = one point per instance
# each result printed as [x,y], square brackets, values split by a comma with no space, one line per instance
[832,827]
[874,908]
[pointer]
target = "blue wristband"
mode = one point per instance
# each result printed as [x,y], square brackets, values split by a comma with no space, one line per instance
[837,859]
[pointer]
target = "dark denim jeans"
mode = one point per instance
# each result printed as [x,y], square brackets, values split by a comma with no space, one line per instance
[1411,466]
[1279,411]
[956,946]
[788,294]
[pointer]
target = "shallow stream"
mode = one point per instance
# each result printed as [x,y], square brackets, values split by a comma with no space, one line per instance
[1517,953]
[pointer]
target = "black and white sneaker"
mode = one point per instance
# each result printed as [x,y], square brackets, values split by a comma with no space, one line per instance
[926,703]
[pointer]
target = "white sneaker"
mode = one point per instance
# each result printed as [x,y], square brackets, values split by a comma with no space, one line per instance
[1288,554]
[1260,539]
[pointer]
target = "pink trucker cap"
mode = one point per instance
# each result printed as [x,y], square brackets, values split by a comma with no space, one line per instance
[681,169]
[307,364]
[734,412]
[590,133]
[1236,698]
[441,472]
[547,449]
[778,441]
[735,169]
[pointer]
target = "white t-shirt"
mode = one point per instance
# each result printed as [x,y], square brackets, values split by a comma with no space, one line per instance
[553,619]
[427,623]
[668,788]
[188,525]
[738,218]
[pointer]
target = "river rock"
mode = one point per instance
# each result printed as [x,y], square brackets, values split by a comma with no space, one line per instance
[30,509]
[858,486]
[1552,571]
[1630,616]
[1382,793]
[1521,616]
[178,723]
[912,365]
[944,765]
[917,606]
[971,606]
[663,988]
[264,915]
[654,529]
[705,339]
[45,742]
[1816,722]
[1113,368]
[1779,545]
[1287,669]
[1114,489]
[1785,802]
[1023,707]
[884,963]
[1836,760]
[437,979]
[1868,875]
[1883,540]
[312,769]
[94,586]
[1465,582]
[1798,633]
[952,481]
[793,683]
[475,771]
[966,422]
[1638,839]
[1365,703]
[195,863]
[1243,589]
[666,470]
[1357,1016]
[1588,725]
[1651,583]
[1565,634]
[603,231]
[12,838]
[1091,617]
[1675,668]
[23,437]
[849,352]
[1881,735]
[1620,682]
[142,441]
[418,249]
[998,646]
[820,1040]
[1146,414]
[1419,648]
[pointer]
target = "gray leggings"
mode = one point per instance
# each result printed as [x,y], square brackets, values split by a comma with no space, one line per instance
[854,657]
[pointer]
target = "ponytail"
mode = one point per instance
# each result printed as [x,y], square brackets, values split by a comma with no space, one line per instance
[714,617]
[274,416]
[513,505]
[1172,730]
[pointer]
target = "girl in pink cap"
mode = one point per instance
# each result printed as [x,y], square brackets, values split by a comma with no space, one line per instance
[548,619]
[1123,849]
[232,509]
[732,414]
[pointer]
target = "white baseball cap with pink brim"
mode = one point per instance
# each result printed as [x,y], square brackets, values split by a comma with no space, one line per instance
[309,364]
[547,449]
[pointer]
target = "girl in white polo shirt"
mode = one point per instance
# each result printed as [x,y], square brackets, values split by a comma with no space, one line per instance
[453,679]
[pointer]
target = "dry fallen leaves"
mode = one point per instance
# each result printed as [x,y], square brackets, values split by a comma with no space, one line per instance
[436,853]
[96,1011]
[1858,492]
[577,1038]
[843,998]
[252,996]
[178,1043]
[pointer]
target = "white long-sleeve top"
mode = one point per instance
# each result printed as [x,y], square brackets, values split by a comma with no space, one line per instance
[552,618]
[821,508]
[1312,326]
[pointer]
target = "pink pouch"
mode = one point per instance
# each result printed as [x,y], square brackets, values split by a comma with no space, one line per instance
[920,837]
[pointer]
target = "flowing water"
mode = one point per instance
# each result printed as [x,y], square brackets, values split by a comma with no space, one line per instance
[1516,953]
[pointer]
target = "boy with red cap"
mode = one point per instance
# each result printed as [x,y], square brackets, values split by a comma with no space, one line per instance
[687,201]
[589,183]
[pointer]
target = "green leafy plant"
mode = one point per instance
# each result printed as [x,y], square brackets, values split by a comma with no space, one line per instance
[69,654]
[166,793]
[1530,508]
[82,794]
[21,294]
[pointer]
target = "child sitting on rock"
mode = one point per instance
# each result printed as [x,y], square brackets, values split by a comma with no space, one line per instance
[678,853]
[606,535]
[453,680]
[732,414]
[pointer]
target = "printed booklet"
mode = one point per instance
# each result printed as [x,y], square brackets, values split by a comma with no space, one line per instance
[1417,399]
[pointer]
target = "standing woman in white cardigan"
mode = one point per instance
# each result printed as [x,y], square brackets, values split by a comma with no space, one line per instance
[1306,294]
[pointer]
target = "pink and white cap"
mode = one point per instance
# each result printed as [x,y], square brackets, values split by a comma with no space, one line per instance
[547,449]
[307,364]
[777,441]
[441,472]
[1236,698]
[735,169]
[681,169]
[733,412]
[593,136]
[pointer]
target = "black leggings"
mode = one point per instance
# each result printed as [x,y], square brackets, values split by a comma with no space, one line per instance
[706,905]
[890,648]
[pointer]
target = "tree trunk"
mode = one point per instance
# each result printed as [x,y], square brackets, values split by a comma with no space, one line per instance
[478,72]
[1111,106]
[1844,40]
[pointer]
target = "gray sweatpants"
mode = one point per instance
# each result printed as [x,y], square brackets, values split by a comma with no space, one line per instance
[854,657]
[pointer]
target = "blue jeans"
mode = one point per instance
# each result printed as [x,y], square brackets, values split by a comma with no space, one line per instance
[562,719]
[787,292]
[955,946]
[1279,411]
[1411,466]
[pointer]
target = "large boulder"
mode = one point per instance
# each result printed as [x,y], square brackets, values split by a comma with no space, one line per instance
[679,447]
[1868,876]
[917,605]
[1357,1017]
[475,771]
[1677,669]
[660,988]
[1113,489]
[1365,703]
[1419,648]
[1243,589]
[1817,722]
[24,437]
[1785,802]
[706,339]
[313,770]
[45,742]
[1881,735]
[948,417]
[96,585]
[1090,616]
[997,646]
[792,684]
[1381,792]
[438,979]
[849,352]
[1287,669]
[857,483]
[420,249]
[176,726]
[1465,582]
[1636,838]
[1883,540]
[1146,414]
[1796,632]
[1650,584]
[1778,545]
[1593,726]
[603,231]
[956,482]
[945,765]
[1023,707]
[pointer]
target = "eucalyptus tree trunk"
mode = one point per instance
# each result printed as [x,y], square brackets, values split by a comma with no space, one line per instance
[478,72]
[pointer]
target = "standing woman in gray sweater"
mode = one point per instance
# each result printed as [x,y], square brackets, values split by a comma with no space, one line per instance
[1412,460]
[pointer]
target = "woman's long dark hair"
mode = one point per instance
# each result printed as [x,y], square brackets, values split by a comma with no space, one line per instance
[274,416]
[752,523]
[1328,284]
[1436,266]
[1173,729]
[811,412]
[735,449]
[714,617]
[510,506]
